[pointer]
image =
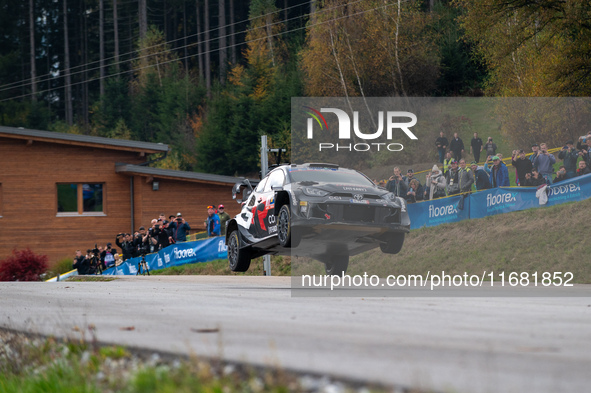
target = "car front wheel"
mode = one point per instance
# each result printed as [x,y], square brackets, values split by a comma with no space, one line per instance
[336,265]
[284,226]
[394,245]
[239,258]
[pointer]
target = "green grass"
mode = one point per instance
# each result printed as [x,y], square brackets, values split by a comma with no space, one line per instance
[280,266]
[47,365]
[547,239]
[97,278]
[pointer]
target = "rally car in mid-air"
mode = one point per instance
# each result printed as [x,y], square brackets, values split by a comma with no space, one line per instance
[315,210]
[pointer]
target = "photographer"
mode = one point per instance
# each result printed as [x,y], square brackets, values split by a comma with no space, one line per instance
[150,242]
[569,155]
[161,234]
[534,179]
[179,229]
[396,184]
[81,263]
[138,242]
[108,256]
[125,243]
[545,163]
[490,147]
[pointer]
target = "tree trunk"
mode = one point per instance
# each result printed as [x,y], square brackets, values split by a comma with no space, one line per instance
[116,37]
[312,6]
[102,47]
[32,41]
[222,38]
[143,19]
[185,37]
[199,40]
[207,55]
[68,80]
[233,56]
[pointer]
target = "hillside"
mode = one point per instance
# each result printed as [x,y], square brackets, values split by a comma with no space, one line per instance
[544,239]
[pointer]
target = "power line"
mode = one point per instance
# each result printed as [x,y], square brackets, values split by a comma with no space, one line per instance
[18,84]
[93,79]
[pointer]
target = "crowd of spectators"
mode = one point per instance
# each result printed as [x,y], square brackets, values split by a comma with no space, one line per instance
[457,178]
[161,233]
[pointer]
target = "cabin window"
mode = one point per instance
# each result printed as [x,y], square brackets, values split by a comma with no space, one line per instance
[80,199]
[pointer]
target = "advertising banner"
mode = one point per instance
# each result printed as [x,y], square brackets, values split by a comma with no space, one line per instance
[496,201]
[438,211]
[175,255]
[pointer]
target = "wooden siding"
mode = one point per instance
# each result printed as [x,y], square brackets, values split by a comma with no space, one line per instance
[29,174]
[173,196]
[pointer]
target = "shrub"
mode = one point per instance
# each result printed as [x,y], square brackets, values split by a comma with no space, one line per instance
[61,267]
[23,265]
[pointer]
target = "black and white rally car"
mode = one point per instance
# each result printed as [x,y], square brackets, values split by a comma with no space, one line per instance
[331,213]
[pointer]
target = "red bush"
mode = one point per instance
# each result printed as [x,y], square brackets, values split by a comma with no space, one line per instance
[23,265]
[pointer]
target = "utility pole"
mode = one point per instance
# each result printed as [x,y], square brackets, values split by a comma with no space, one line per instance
[264,169]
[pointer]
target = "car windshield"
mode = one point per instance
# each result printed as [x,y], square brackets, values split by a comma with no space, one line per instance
[328,175]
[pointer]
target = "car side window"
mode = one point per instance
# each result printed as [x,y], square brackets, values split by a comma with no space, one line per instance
[276,178]
[261,185]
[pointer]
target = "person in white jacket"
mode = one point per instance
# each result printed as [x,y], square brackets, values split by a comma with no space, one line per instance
[435,184]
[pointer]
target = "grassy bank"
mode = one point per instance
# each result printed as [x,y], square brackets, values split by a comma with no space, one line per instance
[549,239]
[38,364]
[280,266]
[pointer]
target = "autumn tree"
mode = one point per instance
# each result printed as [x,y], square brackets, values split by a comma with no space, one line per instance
[532,48]
[370,48]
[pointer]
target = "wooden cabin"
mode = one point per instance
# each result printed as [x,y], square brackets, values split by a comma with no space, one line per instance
[62,192]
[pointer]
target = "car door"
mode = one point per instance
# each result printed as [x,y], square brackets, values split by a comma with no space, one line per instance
[266,221]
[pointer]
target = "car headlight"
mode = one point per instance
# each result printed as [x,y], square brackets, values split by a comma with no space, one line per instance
[314,192]
[402,204]
[390,196]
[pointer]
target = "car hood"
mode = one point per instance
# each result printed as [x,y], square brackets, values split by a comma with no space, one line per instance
[343,189]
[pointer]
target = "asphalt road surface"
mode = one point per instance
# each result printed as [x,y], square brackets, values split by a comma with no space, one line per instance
[446,344]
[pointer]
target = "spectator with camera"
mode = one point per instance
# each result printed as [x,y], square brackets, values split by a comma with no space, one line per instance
[569,155]
[81,263]
[396,184]
[108,256]
[534,179]
[161,234]
[179,229]
[561,174]
[545,163]
[490,147]
[125,242]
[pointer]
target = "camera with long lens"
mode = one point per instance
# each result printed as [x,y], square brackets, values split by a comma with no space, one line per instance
[95,261]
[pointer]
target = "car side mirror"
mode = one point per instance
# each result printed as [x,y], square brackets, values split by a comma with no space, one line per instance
[261,207]
[277,188]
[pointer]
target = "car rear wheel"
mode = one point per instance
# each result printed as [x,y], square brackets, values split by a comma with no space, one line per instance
[394,245]
[284,226]
[239,258]
[336,265]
